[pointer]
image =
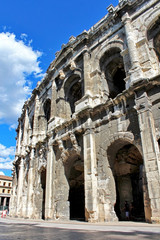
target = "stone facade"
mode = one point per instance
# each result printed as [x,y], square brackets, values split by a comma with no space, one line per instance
[89,137]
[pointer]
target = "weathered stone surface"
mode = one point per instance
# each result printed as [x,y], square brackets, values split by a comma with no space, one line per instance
[88,138]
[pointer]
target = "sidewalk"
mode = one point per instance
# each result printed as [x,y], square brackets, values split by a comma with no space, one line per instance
[76,225]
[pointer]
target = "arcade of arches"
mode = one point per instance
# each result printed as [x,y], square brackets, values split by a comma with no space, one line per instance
[88,138]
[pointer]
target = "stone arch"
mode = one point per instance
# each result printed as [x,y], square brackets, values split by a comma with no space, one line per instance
[105,47]
[74,173]
[112,69]
[73,89]
[120,138]
[153,33]
[128,136]
[126,163]
[70,166]
[74,170]
[151,19]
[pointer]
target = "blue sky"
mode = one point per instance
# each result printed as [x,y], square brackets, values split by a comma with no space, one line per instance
[31,32]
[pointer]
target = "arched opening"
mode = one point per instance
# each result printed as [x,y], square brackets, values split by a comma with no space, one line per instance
[154,37]
[127,167]
[73,90]
[75,94]
[43,188]
[76,192]
[157,45]
[112,66]
[47,109]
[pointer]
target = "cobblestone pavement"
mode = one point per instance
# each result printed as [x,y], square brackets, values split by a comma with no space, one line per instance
[11,229]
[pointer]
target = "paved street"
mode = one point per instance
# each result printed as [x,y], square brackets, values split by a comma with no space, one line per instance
[28,229]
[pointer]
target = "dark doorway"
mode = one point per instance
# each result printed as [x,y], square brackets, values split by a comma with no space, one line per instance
[137,191]
[76,192]
[43,185]
[76,198]
[129,183]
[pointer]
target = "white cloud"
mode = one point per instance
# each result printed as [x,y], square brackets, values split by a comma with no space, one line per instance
[2,173]
[17,62]
[4,151]
[7,165]
[24,36]
[6,157]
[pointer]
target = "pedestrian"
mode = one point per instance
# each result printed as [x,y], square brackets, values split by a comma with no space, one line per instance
[126,209]
[132,211]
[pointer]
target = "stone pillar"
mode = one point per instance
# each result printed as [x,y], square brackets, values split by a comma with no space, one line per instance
[150,153]
[58,107]
[19,138]
[135,72]
[35,121]
[53,101]
[26,125]
[92,81]
[90,172]
[62,110]
[20,187]
[86,69]
[30,191]
[49,183]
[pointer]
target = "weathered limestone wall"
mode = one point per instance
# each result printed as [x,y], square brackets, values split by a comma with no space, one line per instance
[88,138]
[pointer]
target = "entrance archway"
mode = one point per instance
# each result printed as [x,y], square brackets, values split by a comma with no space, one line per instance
[127,166]
[76,192]
[43,186]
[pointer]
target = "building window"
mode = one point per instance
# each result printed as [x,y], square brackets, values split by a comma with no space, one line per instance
[9,184]
[9,191]
[3,191]
[4,184]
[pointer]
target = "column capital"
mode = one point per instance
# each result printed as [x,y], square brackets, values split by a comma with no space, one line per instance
[89,130]
[143,102]
[126,18]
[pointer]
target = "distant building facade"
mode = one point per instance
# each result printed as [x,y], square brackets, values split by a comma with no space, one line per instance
[5,192]
[88,138]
